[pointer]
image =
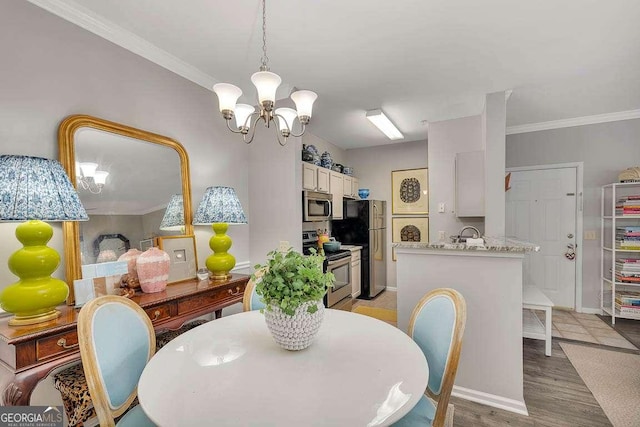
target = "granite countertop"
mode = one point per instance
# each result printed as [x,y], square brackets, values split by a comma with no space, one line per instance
[352,248]
[496,244]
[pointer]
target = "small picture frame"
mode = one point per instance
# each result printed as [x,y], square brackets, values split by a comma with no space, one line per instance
[182,252]
[410,192]
[146,244]
[409,229]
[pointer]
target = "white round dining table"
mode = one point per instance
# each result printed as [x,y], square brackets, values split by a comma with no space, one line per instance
[359,371]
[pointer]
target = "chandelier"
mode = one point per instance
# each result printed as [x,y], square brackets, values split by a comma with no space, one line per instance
[266,83]
[89,178]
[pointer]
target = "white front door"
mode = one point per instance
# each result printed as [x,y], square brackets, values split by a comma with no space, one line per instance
[541,208]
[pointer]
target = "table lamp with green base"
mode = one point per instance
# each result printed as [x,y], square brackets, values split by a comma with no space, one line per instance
[220,206]
[34,189]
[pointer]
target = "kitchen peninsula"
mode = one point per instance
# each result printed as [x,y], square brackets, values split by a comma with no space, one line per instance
[490,279]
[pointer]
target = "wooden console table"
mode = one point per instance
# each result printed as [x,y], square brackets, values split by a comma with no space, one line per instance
[30,353]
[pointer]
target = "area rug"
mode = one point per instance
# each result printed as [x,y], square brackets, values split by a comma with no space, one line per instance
[379,313]
[612,377]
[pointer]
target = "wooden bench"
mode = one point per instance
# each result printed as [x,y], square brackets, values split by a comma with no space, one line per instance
[534,299]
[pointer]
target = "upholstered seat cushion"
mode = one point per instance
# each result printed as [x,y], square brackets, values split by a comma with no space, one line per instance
[72,384]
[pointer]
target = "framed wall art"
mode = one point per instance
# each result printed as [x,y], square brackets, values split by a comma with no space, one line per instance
[182,252]
[410,192]
[409,229]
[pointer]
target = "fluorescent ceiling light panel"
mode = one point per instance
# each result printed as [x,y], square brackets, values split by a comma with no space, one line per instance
[383,123]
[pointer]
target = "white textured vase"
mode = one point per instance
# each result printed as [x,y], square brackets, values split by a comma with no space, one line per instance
[153,270]
[295,332]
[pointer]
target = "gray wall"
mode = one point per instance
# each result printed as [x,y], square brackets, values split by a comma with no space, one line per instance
[605,149]
[52,68]
[447,138]
[373,166]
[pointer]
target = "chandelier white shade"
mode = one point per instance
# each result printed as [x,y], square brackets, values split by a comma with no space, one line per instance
[89,178]
[267,84]
[382,122]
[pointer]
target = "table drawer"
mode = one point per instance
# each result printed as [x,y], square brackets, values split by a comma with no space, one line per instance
[56,345]
[213,298]
[159,312]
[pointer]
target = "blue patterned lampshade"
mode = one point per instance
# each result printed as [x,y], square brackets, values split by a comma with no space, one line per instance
[37,188]
[173,219]
[220,206]
[34,189]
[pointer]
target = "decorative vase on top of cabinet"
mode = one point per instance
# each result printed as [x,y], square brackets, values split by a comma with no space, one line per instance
[620,251]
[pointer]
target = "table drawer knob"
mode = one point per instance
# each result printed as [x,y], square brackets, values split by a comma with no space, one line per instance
[237,292]
[62,342]
[156,315]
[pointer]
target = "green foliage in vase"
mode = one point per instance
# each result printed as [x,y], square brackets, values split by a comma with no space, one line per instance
[289,279]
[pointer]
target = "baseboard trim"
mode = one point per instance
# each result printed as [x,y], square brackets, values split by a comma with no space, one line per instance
[511,405]
[392,289]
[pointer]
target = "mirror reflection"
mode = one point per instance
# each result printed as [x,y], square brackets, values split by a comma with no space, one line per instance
[126,179]
[141,180]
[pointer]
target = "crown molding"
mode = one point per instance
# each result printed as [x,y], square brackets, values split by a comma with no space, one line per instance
[576,121]
[108,30]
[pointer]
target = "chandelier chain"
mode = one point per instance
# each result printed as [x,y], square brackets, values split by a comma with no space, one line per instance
[265,58]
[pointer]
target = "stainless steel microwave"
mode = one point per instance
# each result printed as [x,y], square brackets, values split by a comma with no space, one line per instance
[316,206]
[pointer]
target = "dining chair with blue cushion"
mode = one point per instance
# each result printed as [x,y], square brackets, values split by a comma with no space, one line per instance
[250,299]
[116,340]
[437,325]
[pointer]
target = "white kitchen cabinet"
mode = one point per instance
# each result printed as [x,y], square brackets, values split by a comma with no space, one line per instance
[309,177]
[469,184]
[323,185]
[347,186]
[356,274]
[355,185]
[336,188]
[315,178]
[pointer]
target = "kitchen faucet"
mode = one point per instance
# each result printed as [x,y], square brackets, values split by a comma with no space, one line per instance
[469,227]
[461,239]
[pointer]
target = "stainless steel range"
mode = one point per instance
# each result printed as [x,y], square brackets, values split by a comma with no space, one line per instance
[338,263]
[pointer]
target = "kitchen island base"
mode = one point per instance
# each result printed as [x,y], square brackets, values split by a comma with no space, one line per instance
[491,367]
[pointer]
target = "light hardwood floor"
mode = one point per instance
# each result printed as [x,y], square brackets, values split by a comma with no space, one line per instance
[553,391]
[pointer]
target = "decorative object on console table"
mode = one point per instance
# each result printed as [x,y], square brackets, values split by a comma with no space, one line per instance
[410,192]
[173,219]
[409,229]
[182,252]
[34,189]
[153,270]
[293,312]
[131,257]
[220,206]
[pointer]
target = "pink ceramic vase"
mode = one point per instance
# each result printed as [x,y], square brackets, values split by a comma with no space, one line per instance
[153,270]
[131,257]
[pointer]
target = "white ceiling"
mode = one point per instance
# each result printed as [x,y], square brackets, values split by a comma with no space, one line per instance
[416,59]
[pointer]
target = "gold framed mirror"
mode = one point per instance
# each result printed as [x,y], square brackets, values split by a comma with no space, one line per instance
[145,171]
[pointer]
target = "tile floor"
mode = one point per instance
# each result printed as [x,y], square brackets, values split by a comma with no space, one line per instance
[585,327]
[566,324]
[386,299]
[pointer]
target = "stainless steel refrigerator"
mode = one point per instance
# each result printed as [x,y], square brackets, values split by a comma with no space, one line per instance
[364,224]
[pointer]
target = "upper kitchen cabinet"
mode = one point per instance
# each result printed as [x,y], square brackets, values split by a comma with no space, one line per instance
[315,178]
[470,184]
[347,186]
[336,188]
